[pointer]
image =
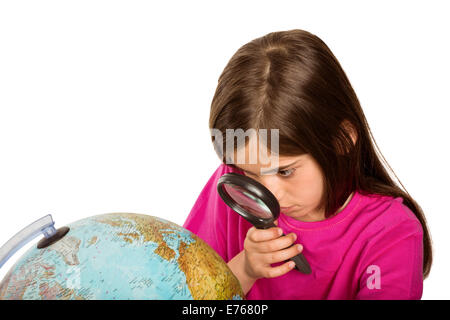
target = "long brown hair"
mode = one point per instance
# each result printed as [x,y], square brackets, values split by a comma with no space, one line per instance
[291,81]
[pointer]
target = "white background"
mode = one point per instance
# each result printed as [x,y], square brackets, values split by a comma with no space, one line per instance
[104,105]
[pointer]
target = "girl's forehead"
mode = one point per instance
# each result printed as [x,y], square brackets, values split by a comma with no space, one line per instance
[253,153]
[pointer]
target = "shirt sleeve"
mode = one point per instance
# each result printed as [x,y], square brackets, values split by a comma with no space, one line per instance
[208,218]
[391,267]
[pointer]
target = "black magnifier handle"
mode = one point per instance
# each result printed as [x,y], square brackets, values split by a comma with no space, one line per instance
[301,264]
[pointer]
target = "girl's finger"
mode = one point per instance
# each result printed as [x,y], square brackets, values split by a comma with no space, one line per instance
[277,271]
[283,255]
[277,244]
[259,235]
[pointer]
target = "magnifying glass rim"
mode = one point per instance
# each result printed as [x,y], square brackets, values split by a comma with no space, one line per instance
[250,185]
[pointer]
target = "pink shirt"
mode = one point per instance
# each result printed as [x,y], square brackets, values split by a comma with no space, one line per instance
[372,249]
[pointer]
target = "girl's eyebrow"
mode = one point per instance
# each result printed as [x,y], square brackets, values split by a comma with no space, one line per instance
[271,170]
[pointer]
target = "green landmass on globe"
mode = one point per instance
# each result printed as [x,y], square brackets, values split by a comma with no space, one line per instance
[122,256]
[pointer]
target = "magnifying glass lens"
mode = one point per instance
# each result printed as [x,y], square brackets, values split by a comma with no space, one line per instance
[247,201]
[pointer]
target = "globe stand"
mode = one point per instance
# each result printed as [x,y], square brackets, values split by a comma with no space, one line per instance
[45,242]
[44,225]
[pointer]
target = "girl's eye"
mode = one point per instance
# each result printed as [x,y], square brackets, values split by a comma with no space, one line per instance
[286,173]
[283,173]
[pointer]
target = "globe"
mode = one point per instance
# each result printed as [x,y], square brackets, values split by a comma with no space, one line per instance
[122,256]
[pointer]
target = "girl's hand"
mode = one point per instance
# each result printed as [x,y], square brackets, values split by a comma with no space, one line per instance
[262,247]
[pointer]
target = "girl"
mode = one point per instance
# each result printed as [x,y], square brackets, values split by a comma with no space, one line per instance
[363,236]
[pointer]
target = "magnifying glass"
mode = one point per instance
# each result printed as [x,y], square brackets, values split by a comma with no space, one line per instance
[256,204]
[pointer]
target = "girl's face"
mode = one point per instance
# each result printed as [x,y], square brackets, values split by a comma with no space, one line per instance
[297,183]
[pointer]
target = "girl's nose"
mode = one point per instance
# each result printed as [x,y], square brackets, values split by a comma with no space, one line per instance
[271,182]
